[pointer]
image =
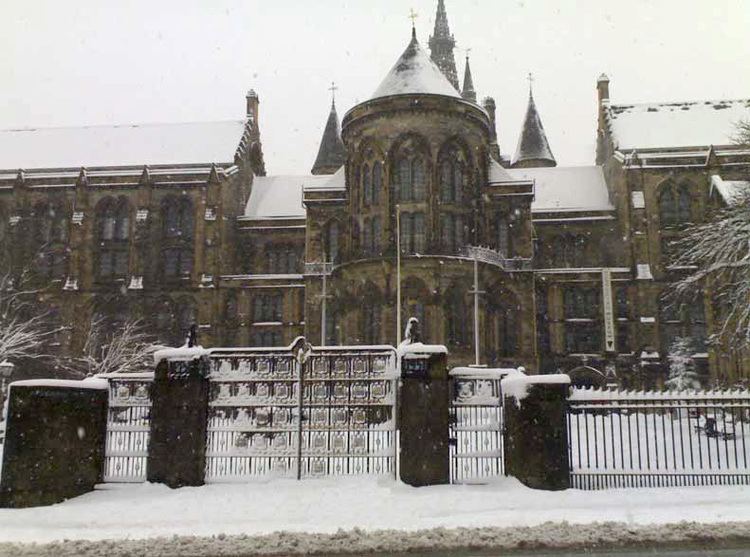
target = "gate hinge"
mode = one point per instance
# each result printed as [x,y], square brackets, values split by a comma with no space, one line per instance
[452,442]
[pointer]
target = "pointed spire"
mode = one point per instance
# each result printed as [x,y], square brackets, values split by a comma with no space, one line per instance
[468,91]
[332,153]
[442,44]
[533,148]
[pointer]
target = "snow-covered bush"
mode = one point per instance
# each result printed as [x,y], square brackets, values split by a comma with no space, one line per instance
[682,374]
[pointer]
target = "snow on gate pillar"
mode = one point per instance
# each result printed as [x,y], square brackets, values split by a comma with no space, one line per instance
[536,433]
[179,417]
[423,415]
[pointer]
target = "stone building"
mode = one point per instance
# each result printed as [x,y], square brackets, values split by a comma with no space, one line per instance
[180,223]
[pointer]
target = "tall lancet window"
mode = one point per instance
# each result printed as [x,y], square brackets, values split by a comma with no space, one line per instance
[410,172]
[452,179]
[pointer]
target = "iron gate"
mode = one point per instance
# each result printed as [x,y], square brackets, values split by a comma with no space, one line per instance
[128,423]
[345,397]
[476,430]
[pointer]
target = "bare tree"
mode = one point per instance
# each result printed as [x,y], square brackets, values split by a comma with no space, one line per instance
[717,254]
[25,329]
[123,348]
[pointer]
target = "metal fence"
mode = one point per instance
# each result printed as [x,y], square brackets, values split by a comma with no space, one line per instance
[654,439]
[345,397]
[476,430]
[128,422]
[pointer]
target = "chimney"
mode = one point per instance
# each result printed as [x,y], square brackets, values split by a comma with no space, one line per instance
[602,87]
[252,105]
[489,105]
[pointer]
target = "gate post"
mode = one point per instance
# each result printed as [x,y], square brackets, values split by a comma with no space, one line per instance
[536,432]
[179,417]
[423,415]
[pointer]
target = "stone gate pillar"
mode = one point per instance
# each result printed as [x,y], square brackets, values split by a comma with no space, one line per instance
[423,415]
[179,418]
[536,432]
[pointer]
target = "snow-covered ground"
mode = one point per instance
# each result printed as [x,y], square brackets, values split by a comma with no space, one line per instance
[355,511]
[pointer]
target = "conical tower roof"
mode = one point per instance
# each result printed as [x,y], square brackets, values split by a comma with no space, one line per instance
[332,153]
[533,148]
[415,74]
[468,91]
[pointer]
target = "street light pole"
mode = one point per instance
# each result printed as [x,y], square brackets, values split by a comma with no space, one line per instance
[476,310]
[323,309]
[398,275]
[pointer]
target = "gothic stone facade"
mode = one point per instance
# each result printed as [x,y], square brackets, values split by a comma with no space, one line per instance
[120,221]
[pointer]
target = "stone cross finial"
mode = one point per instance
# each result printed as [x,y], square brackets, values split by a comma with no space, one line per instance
[413,16]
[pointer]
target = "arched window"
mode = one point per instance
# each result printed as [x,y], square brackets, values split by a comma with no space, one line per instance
[331,242]
[667,208]
[503,234]
[507,333]
[366,185]
[675,205]
[332,327]
[370,324]
[452,179]
[371,236]
[410,182]
[683,321]
[267,308]
[49,239]
[452,232]
[185,318]
[177,237]
[177,216]
[282,259]
[413,234]
[683,205]
[582,320]
[113,229]
[377,182]
[458,322]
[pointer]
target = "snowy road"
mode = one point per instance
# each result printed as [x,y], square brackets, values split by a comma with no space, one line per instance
[364,514]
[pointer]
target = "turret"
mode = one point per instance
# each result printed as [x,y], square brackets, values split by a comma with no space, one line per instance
[533,148]
[468,91]
[332,153]
[442,44]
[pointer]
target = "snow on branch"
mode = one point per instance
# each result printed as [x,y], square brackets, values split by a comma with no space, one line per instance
[718,253]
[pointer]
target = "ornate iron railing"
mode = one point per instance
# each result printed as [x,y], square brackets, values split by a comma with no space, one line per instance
[346,398]
[651,439]
[128,426]
[476,430]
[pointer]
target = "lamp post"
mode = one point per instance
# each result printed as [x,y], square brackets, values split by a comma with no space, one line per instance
[398,275]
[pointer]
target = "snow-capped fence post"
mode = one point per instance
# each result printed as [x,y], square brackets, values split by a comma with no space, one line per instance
[423,401]
[54,441]
[536,433]
[179,417]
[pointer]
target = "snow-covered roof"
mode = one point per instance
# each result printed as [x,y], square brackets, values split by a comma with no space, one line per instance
[676,125]
[335,181]
[497,173]
[729,190]
[572,188]
[415,73]
[274,197]
[125,145]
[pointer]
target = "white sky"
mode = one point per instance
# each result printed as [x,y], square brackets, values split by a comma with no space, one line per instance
[77,62]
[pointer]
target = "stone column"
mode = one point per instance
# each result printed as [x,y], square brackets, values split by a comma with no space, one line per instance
[536,432]
[423,415]
[179,418]
[54,441]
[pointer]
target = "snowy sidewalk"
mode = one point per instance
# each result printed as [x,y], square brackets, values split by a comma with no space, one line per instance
[327,506]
